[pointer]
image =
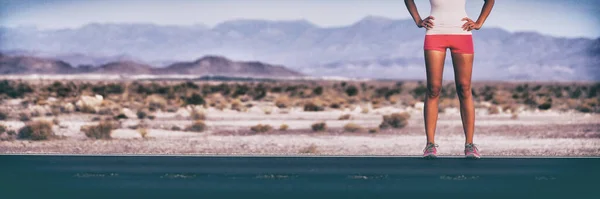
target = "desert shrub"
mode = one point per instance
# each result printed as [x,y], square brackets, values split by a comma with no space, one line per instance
[314,105]
[259,92]
[283,127]
[197,126]
[60,89]
[584,108]
[386,92]
[175,128]
[395,120]
[352,127]
[419,91]
[120,116]
[576,93]
[37,130]
[236,104]
[351,90]
[546,105]
[55,121]
[151,117]
[197,115]
[143,132]
[319,126]
[3,115]
[493,109]
[24,116]
[102,130]
[318,90]
[344,117]
[141,114]
[195,99]
[261,128]
[241,89]
[107,89]
[14,90]
[374,130]
[156,102]
[282,102]
[2,129]
[87,109]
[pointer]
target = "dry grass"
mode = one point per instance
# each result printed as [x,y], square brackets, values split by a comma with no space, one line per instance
[197,115]
[319,126]
[143,132]
[345,117]
[101,131]
[492,110]
[37,130]
[352,127]
[283,127]
[395,120]
[261,128]
[196,126]
[282,102]
[312,149]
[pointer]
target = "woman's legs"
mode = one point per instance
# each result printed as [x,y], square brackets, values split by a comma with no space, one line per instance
[434,64]
[463,67]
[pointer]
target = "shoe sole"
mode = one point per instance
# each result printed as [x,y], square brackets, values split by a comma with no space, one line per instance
[430,156]
[471,156]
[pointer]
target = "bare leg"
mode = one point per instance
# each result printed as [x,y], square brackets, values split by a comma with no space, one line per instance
[463,67]
[434,64]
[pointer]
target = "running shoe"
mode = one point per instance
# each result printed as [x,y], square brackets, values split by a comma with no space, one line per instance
[430,150]
[471,151]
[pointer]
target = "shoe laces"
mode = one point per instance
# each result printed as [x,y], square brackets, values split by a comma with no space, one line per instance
[430,147]
[471,147]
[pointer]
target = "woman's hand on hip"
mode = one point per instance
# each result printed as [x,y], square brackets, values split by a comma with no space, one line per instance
[470,25]
[427,23]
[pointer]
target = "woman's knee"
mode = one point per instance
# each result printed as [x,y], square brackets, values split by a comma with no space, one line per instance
[434,90]
[463,90]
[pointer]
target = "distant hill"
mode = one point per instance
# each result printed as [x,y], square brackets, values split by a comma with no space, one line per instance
[208,65]
[373,47]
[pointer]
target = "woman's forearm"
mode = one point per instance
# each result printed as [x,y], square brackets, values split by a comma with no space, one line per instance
[412,9]
[485,11]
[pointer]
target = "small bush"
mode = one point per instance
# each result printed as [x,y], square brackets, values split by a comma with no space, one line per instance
[121,116]
[175,128]
[37,130]
[197,115]
[197,126]
[396,120]
[2,129]
[3,115]
[545,106]
[318,90]
[260,128]
[283,127]
[320,126]
[24,117]
[351,90]
[282,102]
[101,131]
[143,132]
[195,99]
[55,121]
[344,117]
[584,108]
[493,110]
[141,114]
[352,127]
[236,104]
[314,105]
[374,130]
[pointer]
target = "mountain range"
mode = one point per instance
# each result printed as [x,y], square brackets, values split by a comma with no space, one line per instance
[205,66]
[373,47]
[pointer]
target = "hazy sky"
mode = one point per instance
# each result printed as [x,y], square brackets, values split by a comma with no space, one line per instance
[569,18]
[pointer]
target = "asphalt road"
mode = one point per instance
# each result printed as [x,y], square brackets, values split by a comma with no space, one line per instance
[32,176]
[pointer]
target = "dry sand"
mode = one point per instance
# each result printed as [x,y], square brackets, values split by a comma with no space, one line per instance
[545,133]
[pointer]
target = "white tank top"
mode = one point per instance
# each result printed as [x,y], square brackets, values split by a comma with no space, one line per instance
[448,15]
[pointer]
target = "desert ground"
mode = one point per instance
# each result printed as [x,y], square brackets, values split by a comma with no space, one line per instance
[291,118]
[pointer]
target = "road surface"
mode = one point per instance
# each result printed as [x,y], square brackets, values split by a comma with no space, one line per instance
[48,176]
